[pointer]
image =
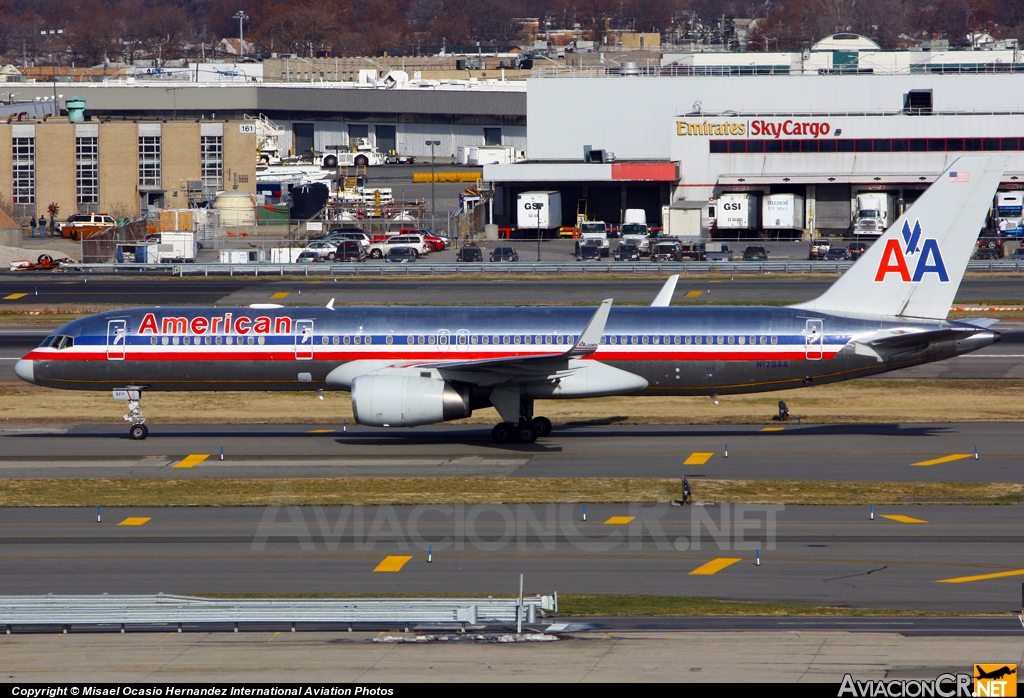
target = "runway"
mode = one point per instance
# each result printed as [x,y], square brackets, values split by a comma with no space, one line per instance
[963,558]
[60,289]
[854,452]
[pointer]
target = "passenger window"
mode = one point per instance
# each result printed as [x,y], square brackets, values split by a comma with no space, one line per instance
[721,340]
[261,340]
[549,339]
[473,339]
[505,339]
[163,340]
[686,339]
[152,340]
[174,340]
[743,340]
[431,339]
[732,340]
[645,339]
[485,339]
[219,340]
[517,339]
[442,339]
[558,339]
[775,340]
[529,339]
[389,340]
[252,340]
[763,340]
[347,339]
[699,339]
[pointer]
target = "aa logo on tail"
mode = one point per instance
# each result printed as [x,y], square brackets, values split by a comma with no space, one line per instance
[925,255]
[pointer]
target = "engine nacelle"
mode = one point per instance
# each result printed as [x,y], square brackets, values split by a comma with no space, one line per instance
[406,401]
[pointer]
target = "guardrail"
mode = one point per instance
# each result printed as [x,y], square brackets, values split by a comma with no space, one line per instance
[539,268]
[97,612]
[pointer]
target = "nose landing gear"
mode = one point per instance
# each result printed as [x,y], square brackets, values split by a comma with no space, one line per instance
[138,430]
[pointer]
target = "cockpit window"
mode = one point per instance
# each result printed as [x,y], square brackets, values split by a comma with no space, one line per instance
[47,342]
[59,341]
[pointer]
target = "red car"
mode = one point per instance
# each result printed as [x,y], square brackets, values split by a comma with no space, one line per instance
[436,243]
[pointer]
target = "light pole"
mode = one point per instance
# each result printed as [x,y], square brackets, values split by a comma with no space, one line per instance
[433,219]
[241,17]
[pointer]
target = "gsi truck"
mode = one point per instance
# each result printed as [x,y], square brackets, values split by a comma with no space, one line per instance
[876,210]
[738,213]
[539,214]
[1008,213]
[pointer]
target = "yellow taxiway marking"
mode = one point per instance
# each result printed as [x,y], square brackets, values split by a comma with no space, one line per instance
[134,521]
[392,563]
[280,294]
[321,431]
[698,458]
[716,565]
[15,296]
[693,294]
[773,429]
[273,636]
[166,636]
[902,519]
[980,577]
[620,520]
[945,459]
[192,461]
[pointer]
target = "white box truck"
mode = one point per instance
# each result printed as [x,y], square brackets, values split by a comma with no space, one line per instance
[1008,213]
[738,212]
[682,221]
[285,255]
[876,211]
[539,213]
[782,212]
[177,246]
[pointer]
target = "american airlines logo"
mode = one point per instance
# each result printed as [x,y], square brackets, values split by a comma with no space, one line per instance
[925,254]
[221,324]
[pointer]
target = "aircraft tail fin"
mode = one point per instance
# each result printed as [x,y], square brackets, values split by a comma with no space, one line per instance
[915,267]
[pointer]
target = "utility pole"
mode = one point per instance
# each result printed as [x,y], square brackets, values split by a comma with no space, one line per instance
[433,213]
[241,17]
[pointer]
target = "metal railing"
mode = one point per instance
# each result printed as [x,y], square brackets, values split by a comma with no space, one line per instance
[95,612]
[492,268]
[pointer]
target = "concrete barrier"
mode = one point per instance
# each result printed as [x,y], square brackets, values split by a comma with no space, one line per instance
[10,237]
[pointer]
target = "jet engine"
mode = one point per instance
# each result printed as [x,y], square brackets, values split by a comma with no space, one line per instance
[407,401]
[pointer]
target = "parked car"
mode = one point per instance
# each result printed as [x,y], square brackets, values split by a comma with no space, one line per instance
[837,254]
[401,255]
[348,251]
[307,257]
[322,248]
[470,254]
[80,226]
[985,253]
[359,236]
[380,249]
[993,243]
[818,248]
[856,249]
[627,252]
[338,233]
[1018,254]
[666,251]
[504,254]
[755,253]
[588,253]
[437,242]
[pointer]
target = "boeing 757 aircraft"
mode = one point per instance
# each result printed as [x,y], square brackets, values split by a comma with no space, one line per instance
[407,366]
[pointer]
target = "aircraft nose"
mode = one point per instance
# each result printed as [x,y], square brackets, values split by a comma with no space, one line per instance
[25,371]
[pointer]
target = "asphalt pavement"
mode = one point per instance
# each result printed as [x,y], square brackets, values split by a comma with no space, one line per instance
[851,452]
[933,558]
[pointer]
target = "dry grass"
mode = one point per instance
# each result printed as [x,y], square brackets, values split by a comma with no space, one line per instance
[863,401]
[481,490]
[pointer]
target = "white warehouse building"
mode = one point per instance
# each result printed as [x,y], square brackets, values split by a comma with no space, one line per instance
[683,142]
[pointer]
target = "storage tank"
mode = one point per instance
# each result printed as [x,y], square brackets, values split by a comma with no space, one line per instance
[236,208]
[308,200]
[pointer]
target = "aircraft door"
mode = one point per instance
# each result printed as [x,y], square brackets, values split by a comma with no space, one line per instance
[814,340]
[303,340]
[462,340]
[117,332]
[443,340]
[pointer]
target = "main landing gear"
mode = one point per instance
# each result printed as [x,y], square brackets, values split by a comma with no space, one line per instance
[139,430]
[528,430]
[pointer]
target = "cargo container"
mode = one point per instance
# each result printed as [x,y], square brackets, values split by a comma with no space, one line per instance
[738,212]
[782,212]
[539,214]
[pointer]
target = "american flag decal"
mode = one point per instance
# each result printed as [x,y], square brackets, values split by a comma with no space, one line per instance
[959,176]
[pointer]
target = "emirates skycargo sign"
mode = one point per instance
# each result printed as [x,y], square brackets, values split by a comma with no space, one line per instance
[755,128]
